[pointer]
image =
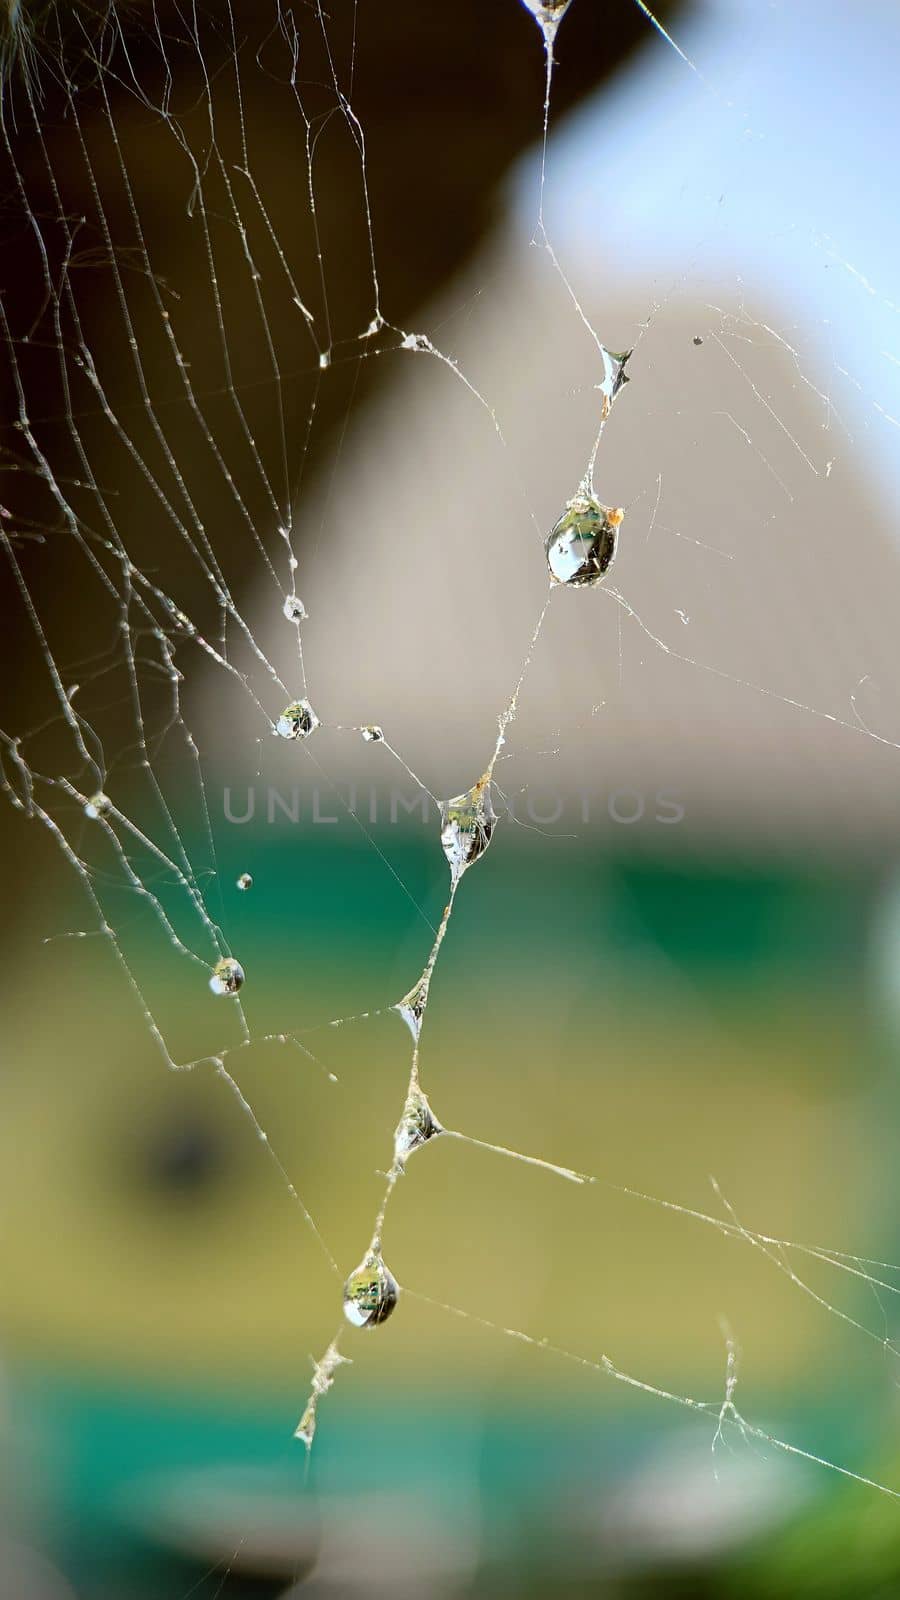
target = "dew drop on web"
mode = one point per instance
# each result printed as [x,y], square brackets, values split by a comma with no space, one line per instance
[372,734]
[294,609]
[548,13]
[614,376]
[99,805]
[297,721]
[417,1125]
[582,545]
[245,881]
[469,822]
[227,976]
[412,1007]
[370,1293]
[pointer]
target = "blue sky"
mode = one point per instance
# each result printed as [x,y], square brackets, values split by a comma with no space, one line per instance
[777,167]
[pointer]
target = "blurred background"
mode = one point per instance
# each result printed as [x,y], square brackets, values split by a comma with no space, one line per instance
[675,969]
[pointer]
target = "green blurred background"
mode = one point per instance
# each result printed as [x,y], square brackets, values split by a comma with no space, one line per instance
[164,1296]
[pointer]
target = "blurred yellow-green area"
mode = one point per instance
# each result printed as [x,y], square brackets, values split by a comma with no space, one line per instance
[691,1031]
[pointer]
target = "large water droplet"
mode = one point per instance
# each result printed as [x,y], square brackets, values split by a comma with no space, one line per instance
[370,1293]
[297,721]
[582,545]
[417,1125]
[469,822]
[372,733]
[227,976]
[294,609]
[245,881]
[99,805]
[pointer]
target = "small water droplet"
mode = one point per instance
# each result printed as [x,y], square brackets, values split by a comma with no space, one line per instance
[549,14]
[325,359]
[469,822]
[99,805]
[297,721]
[245,881]
[417,1125]
[412,1007]
[696,339]
[293,563]
[370,1293]
[582,545]
[227,976]
[372,734]
[614,376]
[416,341]
[294,609]
[375,326]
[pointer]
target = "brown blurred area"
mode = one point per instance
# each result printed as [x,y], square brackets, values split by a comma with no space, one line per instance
[102,203]
[448,96]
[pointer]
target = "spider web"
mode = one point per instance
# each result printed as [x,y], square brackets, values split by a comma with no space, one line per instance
[201,385]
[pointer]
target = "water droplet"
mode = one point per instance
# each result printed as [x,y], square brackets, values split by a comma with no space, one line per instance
[412,1007]
[245,881]
[325,359]
[697,339]
[370,1293]
[581,547]
[305,1430]
[549,13]
[417,1125]
[294,609]
[99,805]
[416,341]
[614,377]
[227,976]
[297,721]
[375,326]
[372,734]
[469,822]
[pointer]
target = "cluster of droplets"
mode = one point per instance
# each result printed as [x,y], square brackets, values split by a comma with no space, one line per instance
[371,1291]
[580,549]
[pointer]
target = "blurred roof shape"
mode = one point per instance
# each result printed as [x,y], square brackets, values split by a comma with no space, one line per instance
[746,638]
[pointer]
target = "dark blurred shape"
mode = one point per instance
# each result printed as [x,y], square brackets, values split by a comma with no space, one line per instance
[448,96]
[183,1161]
